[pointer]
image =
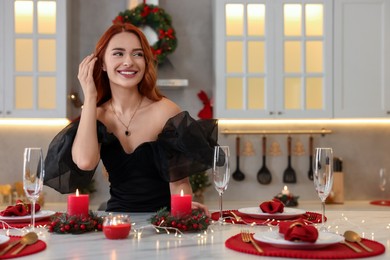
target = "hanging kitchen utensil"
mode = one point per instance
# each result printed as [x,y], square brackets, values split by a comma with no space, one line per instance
[310,174]
[237,174]
[289,175]
[264,175]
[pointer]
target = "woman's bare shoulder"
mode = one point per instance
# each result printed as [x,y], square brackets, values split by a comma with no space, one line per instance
[166,108]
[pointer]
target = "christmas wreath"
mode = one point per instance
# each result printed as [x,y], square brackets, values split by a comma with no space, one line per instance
[159,21]
[197,221]
[67,224]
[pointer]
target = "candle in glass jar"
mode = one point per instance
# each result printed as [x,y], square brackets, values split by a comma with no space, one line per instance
[285,190]
[116,227]
[181,204]
[78,204]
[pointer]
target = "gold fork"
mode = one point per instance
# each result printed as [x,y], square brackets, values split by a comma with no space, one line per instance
[247,238]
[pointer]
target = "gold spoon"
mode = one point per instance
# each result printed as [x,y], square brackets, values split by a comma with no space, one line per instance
[11,245]
[28,239]
[352,236]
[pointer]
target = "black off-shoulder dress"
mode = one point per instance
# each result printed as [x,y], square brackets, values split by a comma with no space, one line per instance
[139,182]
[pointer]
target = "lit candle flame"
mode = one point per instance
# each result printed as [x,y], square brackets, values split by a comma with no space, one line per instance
[77,192]
[182,193]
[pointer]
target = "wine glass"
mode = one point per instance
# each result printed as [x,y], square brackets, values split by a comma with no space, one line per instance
[382,183]
[323,177]
[221,173]
[33,174]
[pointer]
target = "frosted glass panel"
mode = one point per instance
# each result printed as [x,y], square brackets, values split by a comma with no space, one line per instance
[256,19]
[256,57]
[314,93]
[24,93]
[23,16]
[47,17]
[234,19]
[23,55]
[234,56]
[256,93]
[47,55]
[46,92]
[292,93]
[292,19]
[234,93]
[292,56]
[314,57]
[314,19]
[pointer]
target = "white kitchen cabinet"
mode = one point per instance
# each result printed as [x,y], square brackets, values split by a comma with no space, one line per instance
[273,59]
[362,58]
[33,59]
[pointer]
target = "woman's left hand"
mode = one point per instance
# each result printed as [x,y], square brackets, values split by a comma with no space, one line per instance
[197,205]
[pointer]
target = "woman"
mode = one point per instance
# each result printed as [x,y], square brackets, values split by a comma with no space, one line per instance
[147,145]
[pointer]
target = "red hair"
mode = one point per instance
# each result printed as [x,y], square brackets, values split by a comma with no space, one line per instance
[147,86]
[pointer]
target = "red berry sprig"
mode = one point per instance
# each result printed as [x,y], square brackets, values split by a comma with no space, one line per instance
[67,224]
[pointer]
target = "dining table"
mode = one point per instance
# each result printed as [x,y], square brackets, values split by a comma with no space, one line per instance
[144,242]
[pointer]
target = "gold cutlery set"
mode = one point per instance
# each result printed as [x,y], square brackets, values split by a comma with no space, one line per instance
[28,239]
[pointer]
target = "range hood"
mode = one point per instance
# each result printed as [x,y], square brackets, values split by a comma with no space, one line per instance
[168,77]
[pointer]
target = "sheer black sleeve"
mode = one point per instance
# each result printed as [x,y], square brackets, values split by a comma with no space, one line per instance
[61,173]
[186,146]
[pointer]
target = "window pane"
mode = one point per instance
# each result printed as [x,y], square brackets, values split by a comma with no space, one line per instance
[314,57]
[314,19]
[292,56]
[23,55]
[314,93]
[256,19]
[24,93]
[47,55]
[256,57]
[234,19]
[46,92]
[234,56]
[292,93]
[256,93]
[24,11]
[234,93]
[47,17]
[292,19]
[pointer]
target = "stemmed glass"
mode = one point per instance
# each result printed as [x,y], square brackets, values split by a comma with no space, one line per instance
[382,183]
[33,174]
[323,177]
[221,173]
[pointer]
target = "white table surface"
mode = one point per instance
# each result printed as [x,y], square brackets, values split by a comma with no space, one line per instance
[372,222]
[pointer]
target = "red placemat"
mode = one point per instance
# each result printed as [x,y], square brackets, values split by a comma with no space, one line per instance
[41,222]
[28,250]
[310,217]
[381,202]
[336,251]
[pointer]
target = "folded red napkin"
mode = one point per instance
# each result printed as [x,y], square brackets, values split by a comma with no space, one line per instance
[298,231]
[272,206]
[19,209]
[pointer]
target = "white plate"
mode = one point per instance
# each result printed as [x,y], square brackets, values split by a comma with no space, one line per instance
[256,212]
[20,219]
[3,239]
[277,240]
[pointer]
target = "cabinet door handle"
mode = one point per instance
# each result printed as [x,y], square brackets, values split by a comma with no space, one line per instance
[8,112]
[271,113]
[280,112]
[388,112]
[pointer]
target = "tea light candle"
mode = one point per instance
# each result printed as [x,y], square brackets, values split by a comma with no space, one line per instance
[78,204]
[181,204]
[285,191]
[116,227]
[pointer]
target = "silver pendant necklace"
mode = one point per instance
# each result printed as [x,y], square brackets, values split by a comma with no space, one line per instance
[127,132]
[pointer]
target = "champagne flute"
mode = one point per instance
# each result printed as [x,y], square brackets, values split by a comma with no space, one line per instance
[221,173]
[33,174]
[323,177]
[382,183]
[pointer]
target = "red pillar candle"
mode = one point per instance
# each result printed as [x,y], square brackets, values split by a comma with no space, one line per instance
[181,204]
[78,204]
